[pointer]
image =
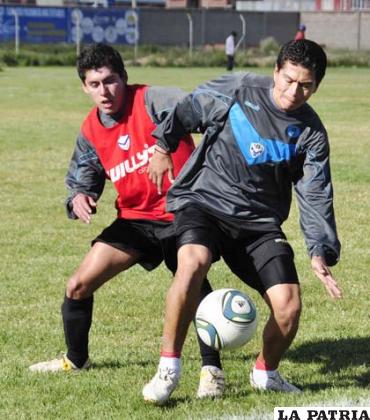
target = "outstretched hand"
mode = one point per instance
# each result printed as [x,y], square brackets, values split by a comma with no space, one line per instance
[83,207]
[159,164]
[322,271]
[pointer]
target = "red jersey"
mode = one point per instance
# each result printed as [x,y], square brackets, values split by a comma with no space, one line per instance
[124,151]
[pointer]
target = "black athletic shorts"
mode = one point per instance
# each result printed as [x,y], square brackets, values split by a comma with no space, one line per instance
[155,241]
[260,259]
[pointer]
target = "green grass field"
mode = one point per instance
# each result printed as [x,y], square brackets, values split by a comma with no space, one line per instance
[41,111]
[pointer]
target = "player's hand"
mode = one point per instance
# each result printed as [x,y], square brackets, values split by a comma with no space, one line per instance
[83,207]
[322,271]
[159,164]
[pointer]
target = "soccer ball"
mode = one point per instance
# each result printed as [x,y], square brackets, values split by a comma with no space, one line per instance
[226,319]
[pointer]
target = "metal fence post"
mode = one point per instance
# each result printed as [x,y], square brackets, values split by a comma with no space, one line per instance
[134,6]
[190,35]
[16,34]
[78,34]
[243,32]
[359,31]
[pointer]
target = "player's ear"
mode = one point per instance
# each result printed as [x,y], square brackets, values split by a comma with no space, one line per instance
[84,87]
[124,77]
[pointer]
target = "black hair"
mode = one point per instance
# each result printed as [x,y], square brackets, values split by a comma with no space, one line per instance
[305,53]
[95,56]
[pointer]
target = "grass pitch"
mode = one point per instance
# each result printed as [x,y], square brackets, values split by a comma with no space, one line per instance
[41,111]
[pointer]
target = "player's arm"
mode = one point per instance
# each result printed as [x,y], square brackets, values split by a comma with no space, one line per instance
[205,107]
[160,102]
[85,181]
[314,193]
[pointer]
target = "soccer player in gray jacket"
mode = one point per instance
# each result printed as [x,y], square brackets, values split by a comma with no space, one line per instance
[233,194]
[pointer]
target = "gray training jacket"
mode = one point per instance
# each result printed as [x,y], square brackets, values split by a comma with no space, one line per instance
[251,155]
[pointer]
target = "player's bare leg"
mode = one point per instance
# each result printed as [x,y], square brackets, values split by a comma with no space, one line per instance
[100,264]
[181,303]
[183,295]
[285,304]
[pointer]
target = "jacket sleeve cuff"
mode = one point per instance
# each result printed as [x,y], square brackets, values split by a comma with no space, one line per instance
[69,209]
[163,146]
[331,258]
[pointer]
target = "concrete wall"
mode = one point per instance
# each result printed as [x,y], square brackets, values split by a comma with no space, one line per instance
[349,30]
[171,27]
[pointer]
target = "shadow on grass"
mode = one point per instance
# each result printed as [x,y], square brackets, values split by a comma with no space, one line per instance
[115,364]
[174,402]
[336,360]
[336,356]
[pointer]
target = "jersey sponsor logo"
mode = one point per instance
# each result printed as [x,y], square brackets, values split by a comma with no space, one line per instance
[293,131]
[255,107]
[124,142]
[132,164]
[256,149]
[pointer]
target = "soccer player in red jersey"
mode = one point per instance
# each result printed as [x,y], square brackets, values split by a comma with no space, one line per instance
[116,143]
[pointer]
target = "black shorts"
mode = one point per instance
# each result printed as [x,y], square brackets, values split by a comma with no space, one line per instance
[154,241]
[260,259]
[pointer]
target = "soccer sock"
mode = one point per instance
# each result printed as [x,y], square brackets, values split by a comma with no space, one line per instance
[210,357]
[170,361]
[262,371]
[77,317]
[262,365]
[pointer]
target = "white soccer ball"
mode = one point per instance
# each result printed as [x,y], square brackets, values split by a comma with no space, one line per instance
[226,319]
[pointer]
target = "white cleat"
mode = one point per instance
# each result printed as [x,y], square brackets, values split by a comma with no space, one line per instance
[160,388]
[273,382]
[58,365]
[211,383]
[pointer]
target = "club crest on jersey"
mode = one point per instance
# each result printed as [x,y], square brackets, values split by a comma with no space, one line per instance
[293,131]
[256,149]
[124,142]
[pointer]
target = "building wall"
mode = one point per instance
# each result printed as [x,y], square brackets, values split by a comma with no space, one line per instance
[208,4]
[175,4]
[50,3]
[302,5]
[276,5]
[171,27]
[349,30]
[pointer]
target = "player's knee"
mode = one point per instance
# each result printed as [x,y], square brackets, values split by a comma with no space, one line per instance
[288,314]
[194,261]
[293,311]
[76,289]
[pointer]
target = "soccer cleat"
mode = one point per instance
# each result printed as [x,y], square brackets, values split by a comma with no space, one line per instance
[211,383]
[58,365]
[273,382]
[160,388]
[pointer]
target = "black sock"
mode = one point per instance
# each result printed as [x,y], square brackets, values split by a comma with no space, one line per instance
[77,317]
[209,356]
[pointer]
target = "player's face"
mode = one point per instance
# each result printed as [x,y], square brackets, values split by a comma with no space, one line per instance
[294,85]
[106,89]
